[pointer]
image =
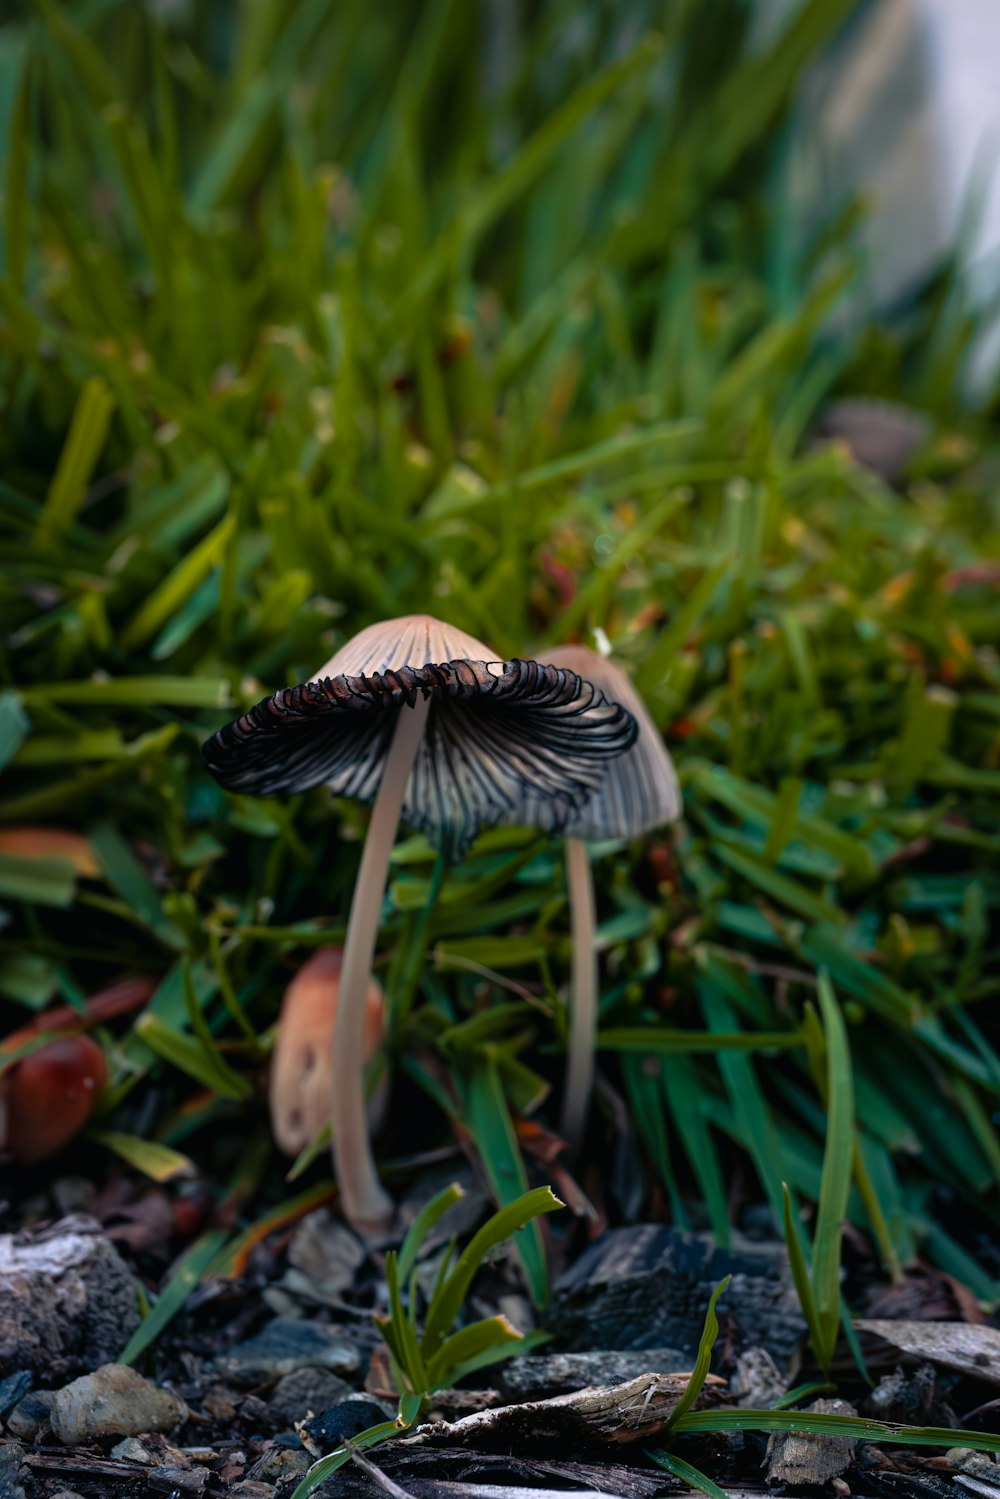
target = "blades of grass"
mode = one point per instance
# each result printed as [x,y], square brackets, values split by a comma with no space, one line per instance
[858,1428]
[489,1122]
[16,130]
[799,1269]
[136,692]
[190,1057]
[660,657]
[754,802]
[400,1330]
[88,430]
[686,1098]
[826,947]
[689,1043]
[709,1333]
[571,466]
[593,598]
[128,879]
[15,726]
[756,1127]
[686,1473]
[235,1086]
[232,1262]
[527,1343]
[72,792]
[428,1217]
[46,881]
[445,1308]
[185,1276]
[327,1466]
[838,1166]
[156,1161]
[644,1089]
[528,162]
[180,584]
[488,1336]
[780,887]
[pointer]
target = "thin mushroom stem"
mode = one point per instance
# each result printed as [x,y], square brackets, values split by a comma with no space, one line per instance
[583,994]
[365,1201]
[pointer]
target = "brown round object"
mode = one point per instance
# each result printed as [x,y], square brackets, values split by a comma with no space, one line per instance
[50,1095]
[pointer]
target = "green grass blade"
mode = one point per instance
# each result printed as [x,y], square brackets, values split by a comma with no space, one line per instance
[699,1373]
[186,1275]
[686,1473]
[838,1165]
[80,453]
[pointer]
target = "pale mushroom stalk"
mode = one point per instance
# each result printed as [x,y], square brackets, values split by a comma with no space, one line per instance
[421,720]
[583,983]
[638,793]
[366,1202]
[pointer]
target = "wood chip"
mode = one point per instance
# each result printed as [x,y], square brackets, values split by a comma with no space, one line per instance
[966,1348]
[602,1413]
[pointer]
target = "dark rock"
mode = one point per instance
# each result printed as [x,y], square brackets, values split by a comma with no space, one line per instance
[30,1415]
[324,1257]
[880,435]
[803,1460]
[285,1345]
[13,1389]
[192,1481]
[11,1455]
[306,1392]
[648,1287]
[67,1300]
[560,1373]
[348,1418]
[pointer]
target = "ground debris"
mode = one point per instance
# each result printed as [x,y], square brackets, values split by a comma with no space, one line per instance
[967,1348]
[324,1259]
[803,1458]
[910,1396]
[601,1414]
[561,1373]
[306,1392]
[757,1382]
[11,1457]
[67,1300]
[452,1474]
[648,1286]
[184,1481]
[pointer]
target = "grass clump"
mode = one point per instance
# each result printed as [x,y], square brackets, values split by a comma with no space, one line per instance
[312,316]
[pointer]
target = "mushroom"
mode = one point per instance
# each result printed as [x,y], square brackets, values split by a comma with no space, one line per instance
[638,793]
[423,720]
[301,1085]
[48,1097]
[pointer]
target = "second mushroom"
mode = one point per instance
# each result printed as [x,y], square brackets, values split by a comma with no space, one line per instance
[422,720]
[639,792]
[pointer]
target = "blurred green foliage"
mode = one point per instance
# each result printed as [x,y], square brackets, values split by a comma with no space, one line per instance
[314,313]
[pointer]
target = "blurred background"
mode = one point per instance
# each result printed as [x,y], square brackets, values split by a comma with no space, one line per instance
[664,327]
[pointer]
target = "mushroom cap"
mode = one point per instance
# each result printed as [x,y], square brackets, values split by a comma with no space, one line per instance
[501,735]
[300,1084]
[639,790]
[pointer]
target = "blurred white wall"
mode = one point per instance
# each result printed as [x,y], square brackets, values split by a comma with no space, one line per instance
[906,107]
